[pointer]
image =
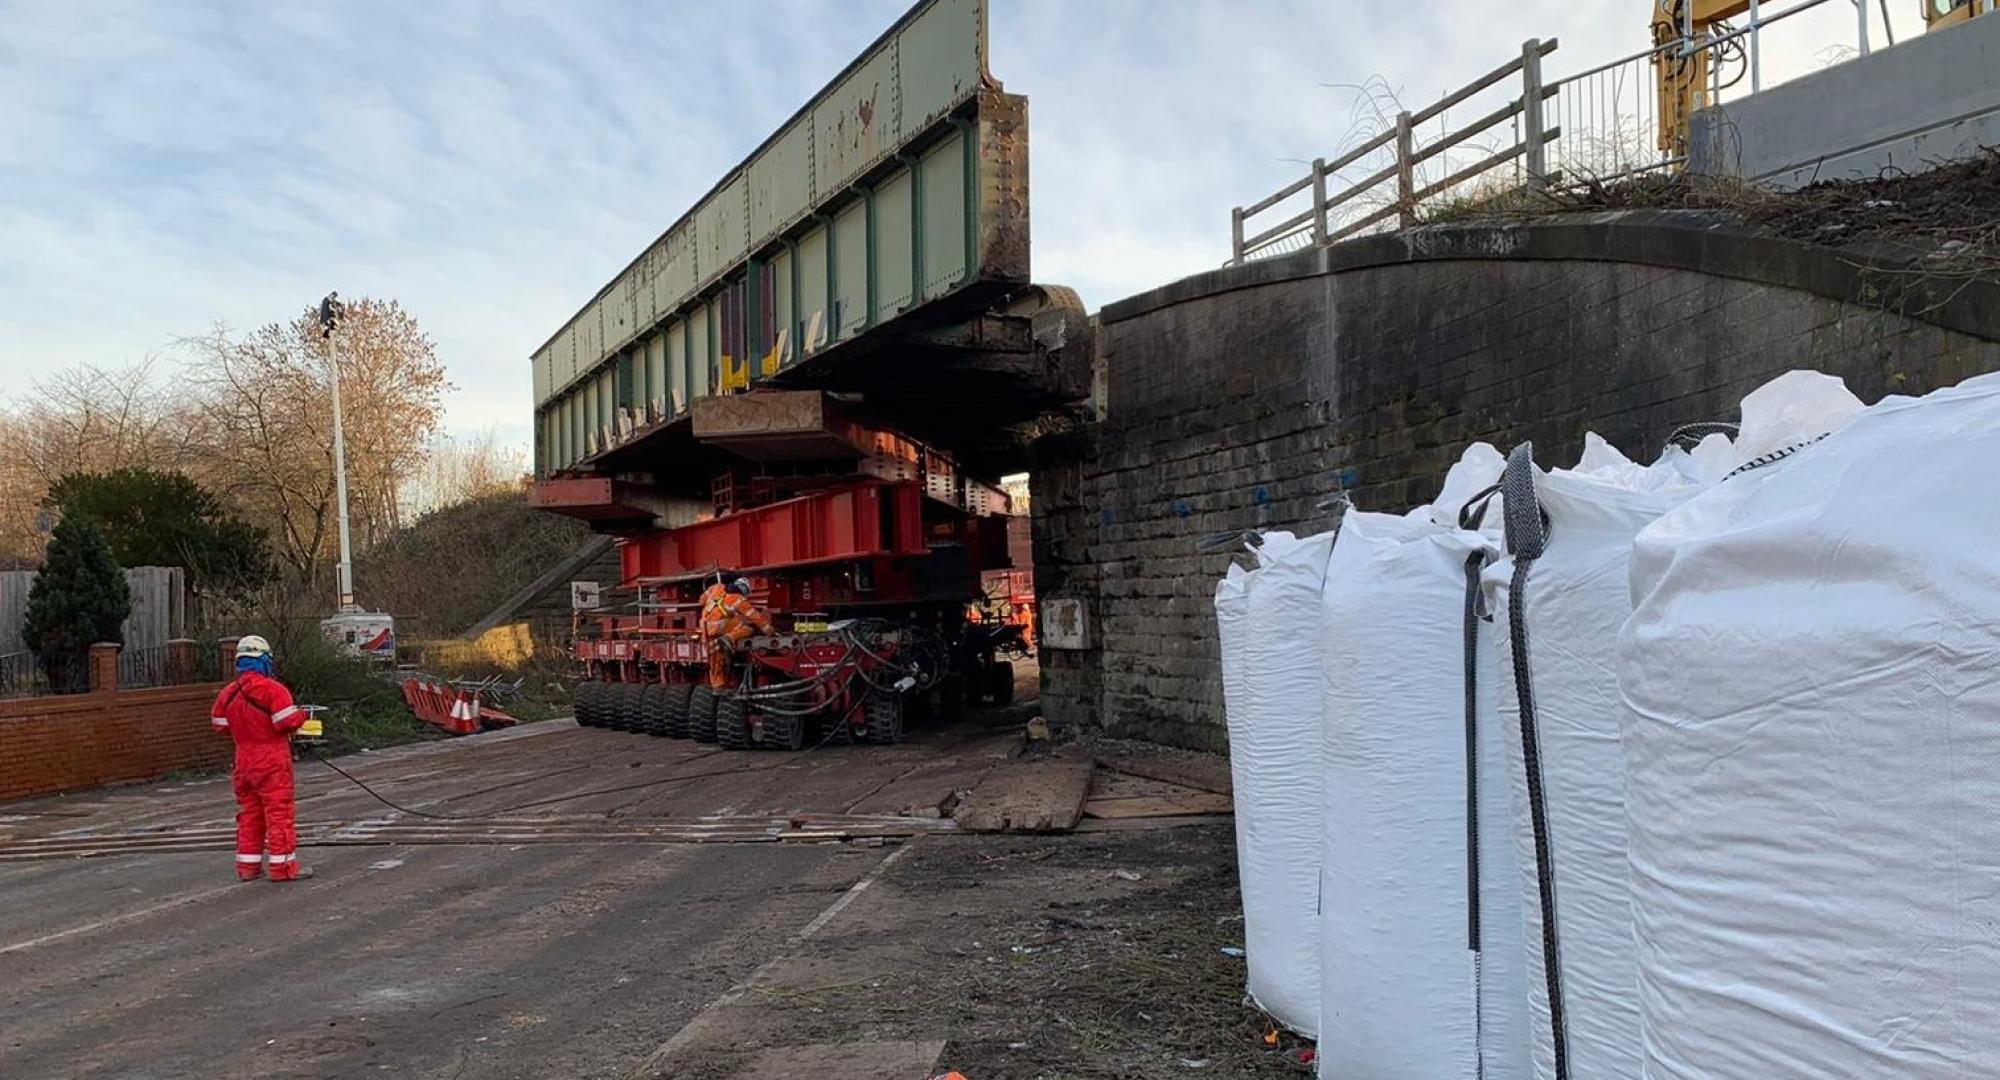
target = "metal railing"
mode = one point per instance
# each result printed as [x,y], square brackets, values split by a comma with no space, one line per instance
[1407,161]
[23,674]
[172,664]
[1595,126]
[1614,111]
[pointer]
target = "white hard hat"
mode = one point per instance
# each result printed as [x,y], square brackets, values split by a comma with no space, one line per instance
[252,645]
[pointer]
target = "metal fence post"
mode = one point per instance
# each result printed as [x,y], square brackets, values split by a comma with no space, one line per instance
[1531,115]
[1756,57]
[1319,200]
[1236,235]
[1861,18]
[180,666]
[1406,181]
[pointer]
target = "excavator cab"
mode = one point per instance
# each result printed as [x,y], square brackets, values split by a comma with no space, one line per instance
[1950,12]
[1683,62]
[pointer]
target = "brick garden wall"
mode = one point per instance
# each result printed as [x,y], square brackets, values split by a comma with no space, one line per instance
[72,742]
[1248,397]
[79,741]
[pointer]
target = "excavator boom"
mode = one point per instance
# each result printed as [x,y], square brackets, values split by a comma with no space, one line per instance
[1682,73]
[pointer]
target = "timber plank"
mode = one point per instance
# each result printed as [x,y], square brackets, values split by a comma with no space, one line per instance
[1044,795]
[1192,803]
[1195,773]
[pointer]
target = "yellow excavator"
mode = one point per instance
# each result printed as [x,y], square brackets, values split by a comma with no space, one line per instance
[1946,12]
[1684,76]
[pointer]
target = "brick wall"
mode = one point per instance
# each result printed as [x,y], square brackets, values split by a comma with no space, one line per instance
[1247,398]
[72,742]
[78,741]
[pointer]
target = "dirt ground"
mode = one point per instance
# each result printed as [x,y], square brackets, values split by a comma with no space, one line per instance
[1088,955]
[611,905]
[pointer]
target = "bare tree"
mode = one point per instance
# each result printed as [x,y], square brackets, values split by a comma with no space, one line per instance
[265,430]
[250,418]
[88,418]
[83,419]
[457,470]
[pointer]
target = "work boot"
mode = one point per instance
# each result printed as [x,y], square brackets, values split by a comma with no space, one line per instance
[303,873]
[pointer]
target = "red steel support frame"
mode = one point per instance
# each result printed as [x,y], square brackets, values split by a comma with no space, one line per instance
[863,520]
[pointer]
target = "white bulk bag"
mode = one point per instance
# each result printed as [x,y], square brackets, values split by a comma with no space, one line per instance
[1812,675]
[1268,623]
[1576,600]
[1402,994]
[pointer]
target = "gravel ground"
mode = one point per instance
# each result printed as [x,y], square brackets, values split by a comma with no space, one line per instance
[1089,955]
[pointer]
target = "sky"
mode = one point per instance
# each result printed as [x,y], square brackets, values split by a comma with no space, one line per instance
[168,166]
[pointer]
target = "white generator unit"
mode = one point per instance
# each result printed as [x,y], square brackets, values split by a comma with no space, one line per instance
[364,635]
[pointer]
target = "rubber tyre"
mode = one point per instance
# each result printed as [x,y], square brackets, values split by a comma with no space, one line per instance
[1000,682]
[784,733]
[589,694]
[885,719]
[701,715]
[677,711]
[607,706]
[625,707]
[732,723]
[622,707]
[653,710]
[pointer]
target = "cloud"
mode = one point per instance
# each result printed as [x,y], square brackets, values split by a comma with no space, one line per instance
[164,166]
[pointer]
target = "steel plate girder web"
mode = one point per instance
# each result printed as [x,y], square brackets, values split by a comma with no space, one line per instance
[859,521]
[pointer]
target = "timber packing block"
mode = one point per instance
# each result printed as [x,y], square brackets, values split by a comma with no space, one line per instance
[1029,795]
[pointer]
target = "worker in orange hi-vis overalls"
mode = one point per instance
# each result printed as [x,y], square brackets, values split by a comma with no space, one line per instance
[728,619]
[257,712]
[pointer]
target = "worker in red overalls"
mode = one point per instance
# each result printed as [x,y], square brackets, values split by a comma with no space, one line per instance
[728,619]
[257,712]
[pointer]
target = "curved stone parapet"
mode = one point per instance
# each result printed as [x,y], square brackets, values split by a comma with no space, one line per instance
[1252,396]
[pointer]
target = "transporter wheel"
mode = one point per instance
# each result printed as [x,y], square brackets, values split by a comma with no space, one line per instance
[732,723]
[701,714]
[626,707]
[785,732]
[608,698]
[885,719]
[589,694]
[653,709]
[677,710]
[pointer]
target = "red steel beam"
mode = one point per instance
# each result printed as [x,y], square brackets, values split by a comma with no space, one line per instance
[592,498]
[862,520]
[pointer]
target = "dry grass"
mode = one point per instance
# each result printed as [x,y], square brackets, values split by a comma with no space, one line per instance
[1951,211]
